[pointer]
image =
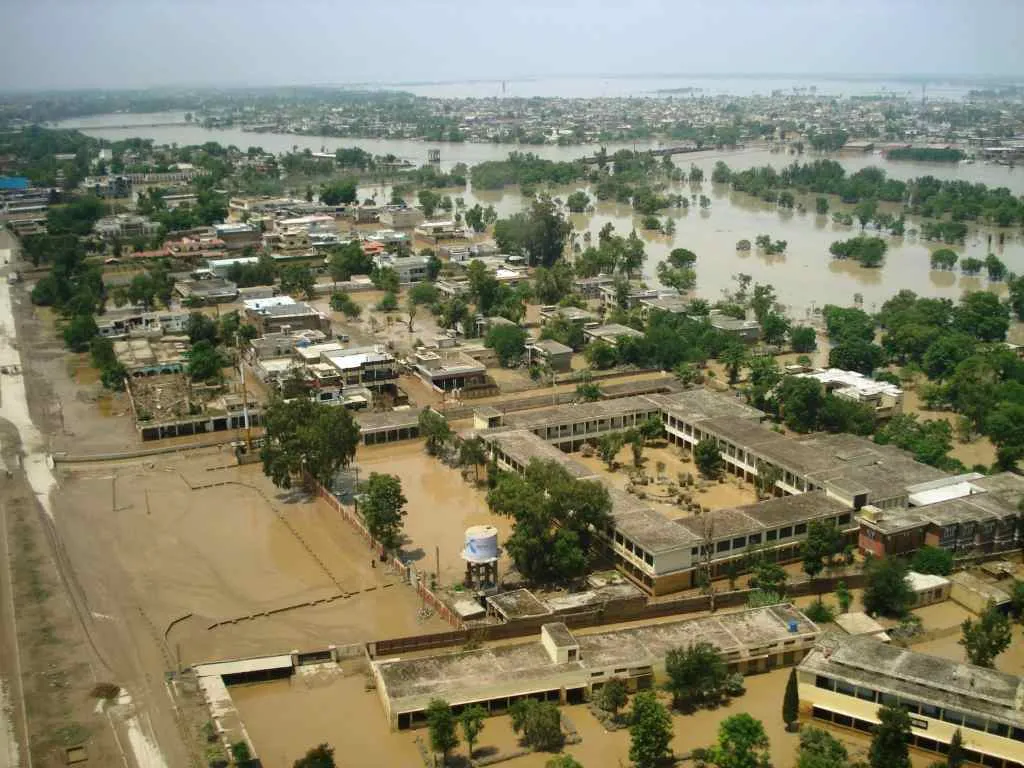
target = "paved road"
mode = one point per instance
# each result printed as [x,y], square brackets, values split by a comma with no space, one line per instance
[14,751]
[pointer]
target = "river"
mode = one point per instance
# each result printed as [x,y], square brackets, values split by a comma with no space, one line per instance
[805,277]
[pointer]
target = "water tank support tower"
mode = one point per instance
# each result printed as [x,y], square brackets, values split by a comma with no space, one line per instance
[481,555]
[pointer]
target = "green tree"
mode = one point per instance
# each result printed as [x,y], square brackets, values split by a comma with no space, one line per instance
[742,743]
[983,316]
[383,507]
[697,676]
[823,542]
[886,591]
[708,458]
[821,206]
[539,722]
[386,279]
[204,361]
[552,284]
[820,749]
[348,260]
[650,731]
[388,302]
[302,435]
[733,357]
[429,200]
[791,701]
[891,736]
[577,201]
[240,752]
[601,355]
[341,192]
[441,724]
[297,279]
[435,429]
[473,453]
[987,637]
[929,559]
[608,447]
[768,576]
[321,756]
[344,303]
[472,721]
[562,761]
[955,758]
[612,696]
[508,343]
[801,401]
[79,332]
[1005,427]
[843,596]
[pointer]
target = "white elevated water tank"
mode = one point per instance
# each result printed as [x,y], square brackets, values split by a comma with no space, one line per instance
[481,544]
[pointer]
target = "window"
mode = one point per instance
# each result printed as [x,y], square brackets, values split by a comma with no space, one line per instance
[739,542]
[927,710]
[800,529]
[1017,734]
[998,729]
[755,538]
[722,546]
[823,682]
[694,551]
[785,533]
[772,535]
[911,706]
[844,519]
[952,716]
[845,688]
[844,720]
[865,694]
[887,700]
[974,723]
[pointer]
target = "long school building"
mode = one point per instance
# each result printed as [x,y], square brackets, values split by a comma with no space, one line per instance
[565,667]
[817,477]
[846,679]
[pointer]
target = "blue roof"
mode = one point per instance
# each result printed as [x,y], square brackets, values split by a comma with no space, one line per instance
[13,182]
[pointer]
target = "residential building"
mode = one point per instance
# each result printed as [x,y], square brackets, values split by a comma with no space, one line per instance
[372,367]
[107,187]
[636,293]
[282,313]
[747,331]
[672,302]
[449,369]
[209,290]
[590,287]
[221,267]
[125,226]
[410,269]
[398,217]
[569,314]
[124,323]
[976,594]
[610,333]
[846,679]
[146,357]
[441,230]
[567,668]
[237,236]
[556,355]
[885,398]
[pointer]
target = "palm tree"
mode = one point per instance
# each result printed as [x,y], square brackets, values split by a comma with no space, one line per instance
[733,357]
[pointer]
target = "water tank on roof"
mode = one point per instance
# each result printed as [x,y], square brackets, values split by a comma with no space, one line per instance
[481,544]
[792,625]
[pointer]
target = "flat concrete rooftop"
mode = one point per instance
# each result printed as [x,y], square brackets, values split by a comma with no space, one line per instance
[880,667]
[526,667]
[764,515]
[522,447]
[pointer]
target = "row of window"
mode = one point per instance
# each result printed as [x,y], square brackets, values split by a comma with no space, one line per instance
[776,534]
[954,717]
[921,742]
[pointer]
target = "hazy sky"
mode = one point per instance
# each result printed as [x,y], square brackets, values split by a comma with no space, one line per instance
[128,43]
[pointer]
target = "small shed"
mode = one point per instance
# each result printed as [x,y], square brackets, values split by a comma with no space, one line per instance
[975,594]
[928,588]
[859,623]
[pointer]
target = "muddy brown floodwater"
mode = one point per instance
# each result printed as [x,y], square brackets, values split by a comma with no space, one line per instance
[441,506]
[226,552]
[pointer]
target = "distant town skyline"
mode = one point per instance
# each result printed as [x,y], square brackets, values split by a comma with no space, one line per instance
[53,44]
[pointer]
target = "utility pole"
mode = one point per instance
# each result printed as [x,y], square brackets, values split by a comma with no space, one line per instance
[437,562]
[113,492]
